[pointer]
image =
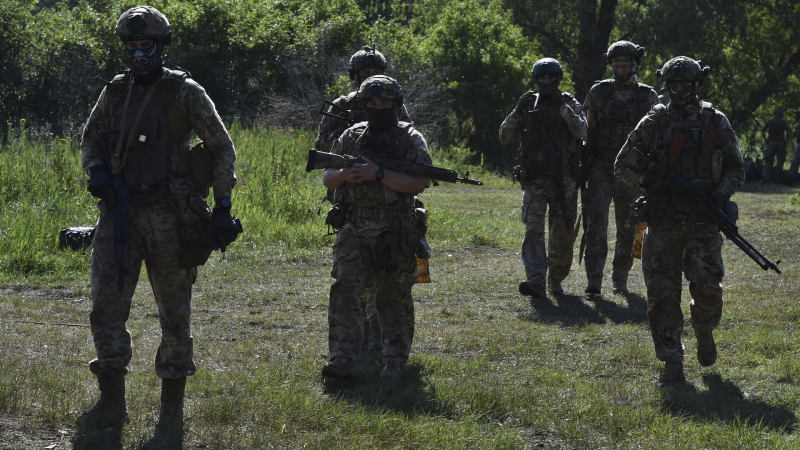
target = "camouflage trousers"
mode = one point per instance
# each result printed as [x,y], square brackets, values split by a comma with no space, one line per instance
[368,295]
[776,151]
[154,241]
[663,261]
[537,196]
[395,272]
[602,188]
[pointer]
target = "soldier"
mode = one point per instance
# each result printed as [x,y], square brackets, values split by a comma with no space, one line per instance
[614,107]
[796,156]
[548,126]
[363,64]
[778,130]
[135,148]
[696,141]
[377,233]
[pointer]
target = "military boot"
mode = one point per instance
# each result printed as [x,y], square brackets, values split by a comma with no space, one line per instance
[375,335]
[620,285]
[169,430]
[391,372]
[593,288]
[672,374]
[706,348]
[339,367]
[110,411]
[554,286]
[533,288]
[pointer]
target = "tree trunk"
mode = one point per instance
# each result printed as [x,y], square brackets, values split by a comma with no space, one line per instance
[595,28]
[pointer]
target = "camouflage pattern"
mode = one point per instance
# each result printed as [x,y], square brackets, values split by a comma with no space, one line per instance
[331,128]
[540,193]
[683,68]
[625,48]
[616,108]
[378,244]
[674,225]
[143,22]
[365,58]
[196,108]
[380,86]
[155,239]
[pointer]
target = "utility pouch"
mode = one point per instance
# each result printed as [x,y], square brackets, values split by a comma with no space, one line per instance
[195,250]
[202,168]
[336,217]
[76,238]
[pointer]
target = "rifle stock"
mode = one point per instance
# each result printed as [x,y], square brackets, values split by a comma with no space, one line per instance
[320,160]
[639,162]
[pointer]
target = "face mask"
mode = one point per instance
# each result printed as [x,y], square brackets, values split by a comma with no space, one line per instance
[681,97]
[381,119]
[142,61]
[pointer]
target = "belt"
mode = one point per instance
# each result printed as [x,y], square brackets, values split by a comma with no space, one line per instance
[374,213]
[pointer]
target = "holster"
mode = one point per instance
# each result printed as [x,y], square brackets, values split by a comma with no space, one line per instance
[336,217]
[195,250]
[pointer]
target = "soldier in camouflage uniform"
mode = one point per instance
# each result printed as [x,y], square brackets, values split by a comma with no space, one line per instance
[775,132]
[548,127]
[796,156]
[614,107]
[692,138]
[156,110]
[363,64]
[378,232]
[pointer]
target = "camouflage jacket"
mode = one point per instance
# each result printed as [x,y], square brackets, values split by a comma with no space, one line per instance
[402,143]
[195,108]
[331,128]
[616,108]
[565,126]
[720,170]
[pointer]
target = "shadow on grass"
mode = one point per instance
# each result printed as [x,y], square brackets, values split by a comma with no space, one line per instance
[410,394]
[571,310]
[89,437]
[725,402]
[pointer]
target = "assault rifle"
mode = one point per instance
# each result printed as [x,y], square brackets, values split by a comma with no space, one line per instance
[639,162]
[321,160]
[349,116]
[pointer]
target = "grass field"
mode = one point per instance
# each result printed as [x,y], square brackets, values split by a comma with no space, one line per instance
[488,369]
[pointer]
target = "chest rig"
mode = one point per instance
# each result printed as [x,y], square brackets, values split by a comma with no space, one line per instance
[159,141]
[690,146]
[548,141]
[394,144]
[620,111]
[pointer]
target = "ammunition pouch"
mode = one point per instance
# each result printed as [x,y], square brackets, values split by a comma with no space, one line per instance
[525,174]
[336,217]
[195,249]
[201,168]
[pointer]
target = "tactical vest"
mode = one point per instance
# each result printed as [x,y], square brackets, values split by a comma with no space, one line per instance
[546,135]
[690,147]
[161,141]
[619,116]
[393,144]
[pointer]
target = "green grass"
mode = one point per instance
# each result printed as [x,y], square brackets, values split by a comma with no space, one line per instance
[487,370]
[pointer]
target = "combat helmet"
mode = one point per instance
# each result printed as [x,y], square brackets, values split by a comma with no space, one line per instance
[545,66]
[144,22]
[624,48]
[683,68]
[380,86]
[366,57]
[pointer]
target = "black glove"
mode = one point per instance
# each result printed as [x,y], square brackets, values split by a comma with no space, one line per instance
[522,103]
[100,182]
[652,182]
[552,95]
[223,228]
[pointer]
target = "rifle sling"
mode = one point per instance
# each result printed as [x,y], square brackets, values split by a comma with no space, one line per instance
[115,161]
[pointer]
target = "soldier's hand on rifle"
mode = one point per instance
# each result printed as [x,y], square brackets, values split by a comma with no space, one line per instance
[364,172]
[652,182]
[223,228]
[100,182]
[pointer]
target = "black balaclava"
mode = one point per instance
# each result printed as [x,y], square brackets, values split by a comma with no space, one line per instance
[381,119]
[146,65]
